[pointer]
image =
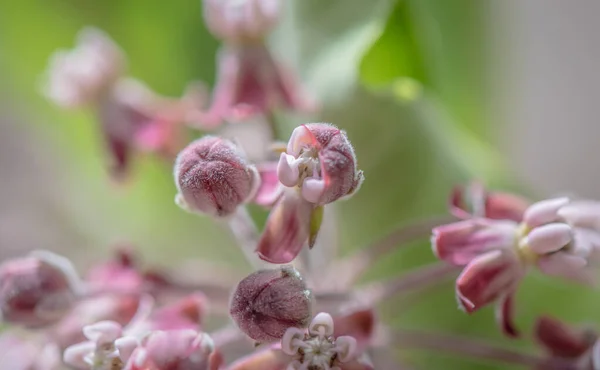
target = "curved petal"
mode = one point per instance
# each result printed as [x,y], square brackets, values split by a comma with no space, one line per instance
[505,316]
[287,229]
[565,265]
[270,189]
[358,324]
[459,242]
[486,278]
[549,238]
[582,214]
[560,339]
[492,205]
[544,212]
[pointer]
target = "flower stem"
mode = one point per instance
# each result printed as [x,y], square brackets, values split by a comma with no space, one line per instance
[413,280]
[246,234]
[401,236]
[473,348]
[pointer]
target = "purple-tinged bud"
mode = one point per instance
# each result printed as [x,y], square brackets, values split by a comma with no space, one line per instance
[83,75]
[268,302]
[37,290]
[214,177]
[241,21]
[320,160]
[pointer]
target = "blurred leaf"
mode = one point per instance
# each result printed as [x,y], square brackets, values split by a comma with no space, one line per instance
[396,53]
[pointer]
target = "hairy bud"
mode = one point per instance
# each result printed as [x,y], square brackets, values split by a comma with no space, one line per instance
[268,302]
[320,160]
[239,21]
[36,290]
[214,177]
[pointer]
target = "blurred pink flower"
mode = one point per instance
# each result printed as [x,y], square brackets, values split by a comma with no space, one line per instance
[496,253]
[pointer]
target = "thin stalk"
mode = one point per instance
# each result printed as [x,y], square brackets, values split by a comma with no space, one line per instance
[360,262]
[474,348]
[244,230]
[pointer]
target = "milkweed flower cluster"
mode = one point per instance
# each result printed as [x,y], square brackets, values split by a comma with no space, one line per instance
[302,307]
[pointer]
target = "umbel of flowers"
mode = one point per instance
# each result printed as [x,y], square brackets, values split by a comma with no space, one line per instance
[286,314]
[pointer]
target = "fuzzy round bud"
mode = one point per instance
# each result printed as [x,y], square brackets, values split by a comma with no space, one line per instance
[214,177]
[36,290]
[268,302]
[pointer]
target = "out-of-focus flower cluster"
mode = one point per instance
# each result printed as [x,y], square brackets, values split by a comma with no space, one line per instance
[301,307]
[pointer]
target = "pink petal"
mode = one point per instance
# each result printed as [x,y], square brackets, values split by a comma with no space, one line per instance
[301,137]
[568,266]
[505,316]
[560,339]
[286,230]
[582,214]
[544,212]
[486,278]
[549,238]
[493,205]
[459,242]
[269,359]
[270,188]
[359,324]
[505,206]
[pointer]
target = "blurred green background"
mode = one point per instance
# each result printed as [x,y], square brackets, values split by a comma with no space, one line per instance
[408,80]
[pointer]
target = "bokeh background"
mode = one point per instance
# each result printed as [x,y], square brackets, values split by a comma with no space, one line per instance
[431,92]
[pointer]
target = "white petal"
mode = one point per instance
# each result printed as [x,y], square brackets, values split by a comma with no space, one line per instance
[345,347]
[289,344]
[321,325]
[75,354]
[312,189]
[126,346]
[287,170]
[549,238]
[103,332]
[544,212]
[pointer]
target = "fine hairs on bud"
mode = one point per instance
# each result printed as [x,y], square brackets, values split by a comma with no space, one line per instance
[268,302]
[214,177]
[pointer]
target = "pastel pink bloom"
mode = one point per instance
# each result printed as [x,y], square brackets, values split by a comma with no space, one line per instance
[318,167]
[28,354]
[241,21]
[496,253]
[268,302]
[250,82]
[214,177]
[37,290]
[319,346]
[132,118]
[175,350]
[105,348]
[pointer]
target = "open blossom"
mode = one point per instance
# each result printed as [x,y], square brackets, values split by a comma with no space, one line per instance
[552,235]
[318,347]
[318,167]
[250,81]
[37,290]
[268,302]
[214,177]
[131,117]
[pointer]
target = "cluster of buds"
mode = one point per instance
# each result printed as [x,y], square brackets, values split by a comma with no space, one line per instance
[122,318]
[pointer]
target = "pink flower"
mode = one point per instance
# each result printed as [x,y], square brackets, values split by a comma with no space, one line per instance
[496,253]
[268,302]
[214,177]
[37,290]
[318,167]
[318,346]
[175,350]
[132,118]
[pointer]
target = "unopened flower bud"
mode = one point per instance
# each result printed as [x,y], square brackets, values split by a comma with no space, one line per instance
[214,177]
[238,21]
[81,76]
[320,160]
[268,302]
[36,290]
